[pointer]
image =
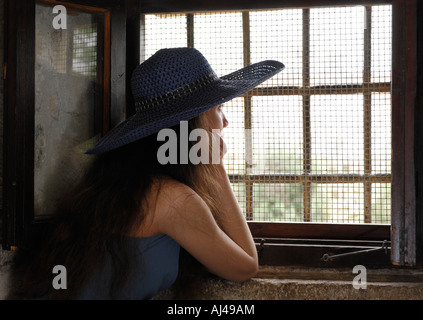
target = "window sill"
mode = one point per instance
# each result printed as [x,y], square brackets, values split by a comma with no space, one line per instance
[287,283]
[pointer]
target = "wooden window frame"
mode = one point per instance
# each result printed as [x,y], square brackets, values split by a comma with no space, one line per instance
[278,243]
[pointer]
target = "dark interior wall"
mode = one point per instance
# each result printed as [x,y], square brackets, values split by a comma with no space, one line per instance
[2,48]
[419,133]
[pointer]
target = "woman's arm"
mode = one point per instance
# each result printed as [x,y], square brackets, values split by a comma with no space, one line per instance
[231,218]
[227,251]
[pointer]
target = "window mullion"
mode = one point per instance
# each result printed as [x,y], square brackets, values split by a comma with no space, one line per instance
[247,119]
[142,38]
[190,30]
[367,115]
[306,116]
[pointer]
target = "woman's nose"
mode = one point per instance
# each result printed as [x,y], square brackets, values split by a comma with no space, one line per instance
[225,122]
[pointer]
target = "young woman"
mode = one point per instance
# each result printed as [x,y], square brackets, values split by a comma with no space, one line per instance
[118,233]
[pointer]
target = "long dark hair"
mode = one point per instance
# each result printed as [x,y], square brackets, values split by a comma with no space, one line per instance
[96,215]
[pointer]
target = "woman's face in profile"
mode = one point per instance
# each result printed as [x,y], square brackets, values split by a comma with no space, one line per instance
[216,118]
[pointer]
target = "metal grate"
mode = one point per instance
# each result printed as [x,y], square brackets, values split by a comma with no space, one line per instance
[84,59]
[312,144]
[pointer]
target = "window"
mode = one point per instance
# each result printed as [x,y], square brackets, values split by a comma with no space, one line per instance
[314,175]
[84,56]
[313,143]
[310,148]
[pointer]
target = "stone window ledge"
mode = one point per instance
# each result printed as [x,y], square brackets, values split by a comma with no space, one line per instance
[289,283]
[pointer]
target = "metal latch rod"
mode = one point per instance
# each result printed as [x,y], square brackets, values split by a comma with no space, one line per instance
[326,257]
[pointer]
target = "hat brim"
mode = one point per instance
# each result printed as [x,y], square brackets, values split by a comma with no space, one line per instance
[224,89]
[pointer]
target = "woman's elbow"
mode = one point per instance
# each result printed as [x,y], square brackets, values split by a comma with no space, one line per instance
[247,272]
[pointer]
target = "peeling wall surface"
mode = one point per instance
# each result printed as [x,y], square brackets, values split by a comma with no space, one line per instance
[64,103]
[6,260]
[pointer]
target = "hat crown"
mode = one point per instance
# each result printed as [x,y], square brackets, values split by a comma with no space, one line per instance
[168,70]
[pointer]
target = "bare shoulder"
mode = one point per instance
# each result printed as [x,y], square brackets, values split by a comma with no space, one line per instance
[165,198]
[179,211]
[171,189]
[177,202]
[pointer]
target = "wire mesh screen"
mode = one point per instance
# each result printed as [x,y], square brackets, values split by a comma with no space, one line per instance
[84,59]
[312,144]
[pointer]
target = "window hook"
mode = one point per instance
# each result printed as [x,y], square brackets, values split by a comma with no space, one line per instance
[261,247]
[326,257]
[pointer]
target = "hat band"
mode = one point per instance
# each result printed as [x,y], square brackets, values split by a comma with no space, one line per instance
[175,94]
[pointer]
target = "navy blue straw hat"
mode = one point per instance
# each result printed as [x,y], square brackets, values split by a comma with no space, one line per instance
[177,85]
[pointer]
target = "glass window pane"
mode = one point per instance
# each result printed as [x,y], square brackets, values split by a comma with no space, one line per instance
[337,203]
[235,136]
[381,203]
[277,35]
[336,45]
[163,31]
[239,190]
[278,202]
[381,133]
[337,134]
[381,43]
[84,57]
[219,38]
[277,134]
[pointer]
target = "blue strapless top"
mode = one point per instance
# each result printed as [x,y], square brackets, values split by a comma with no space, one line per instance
[154,267]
